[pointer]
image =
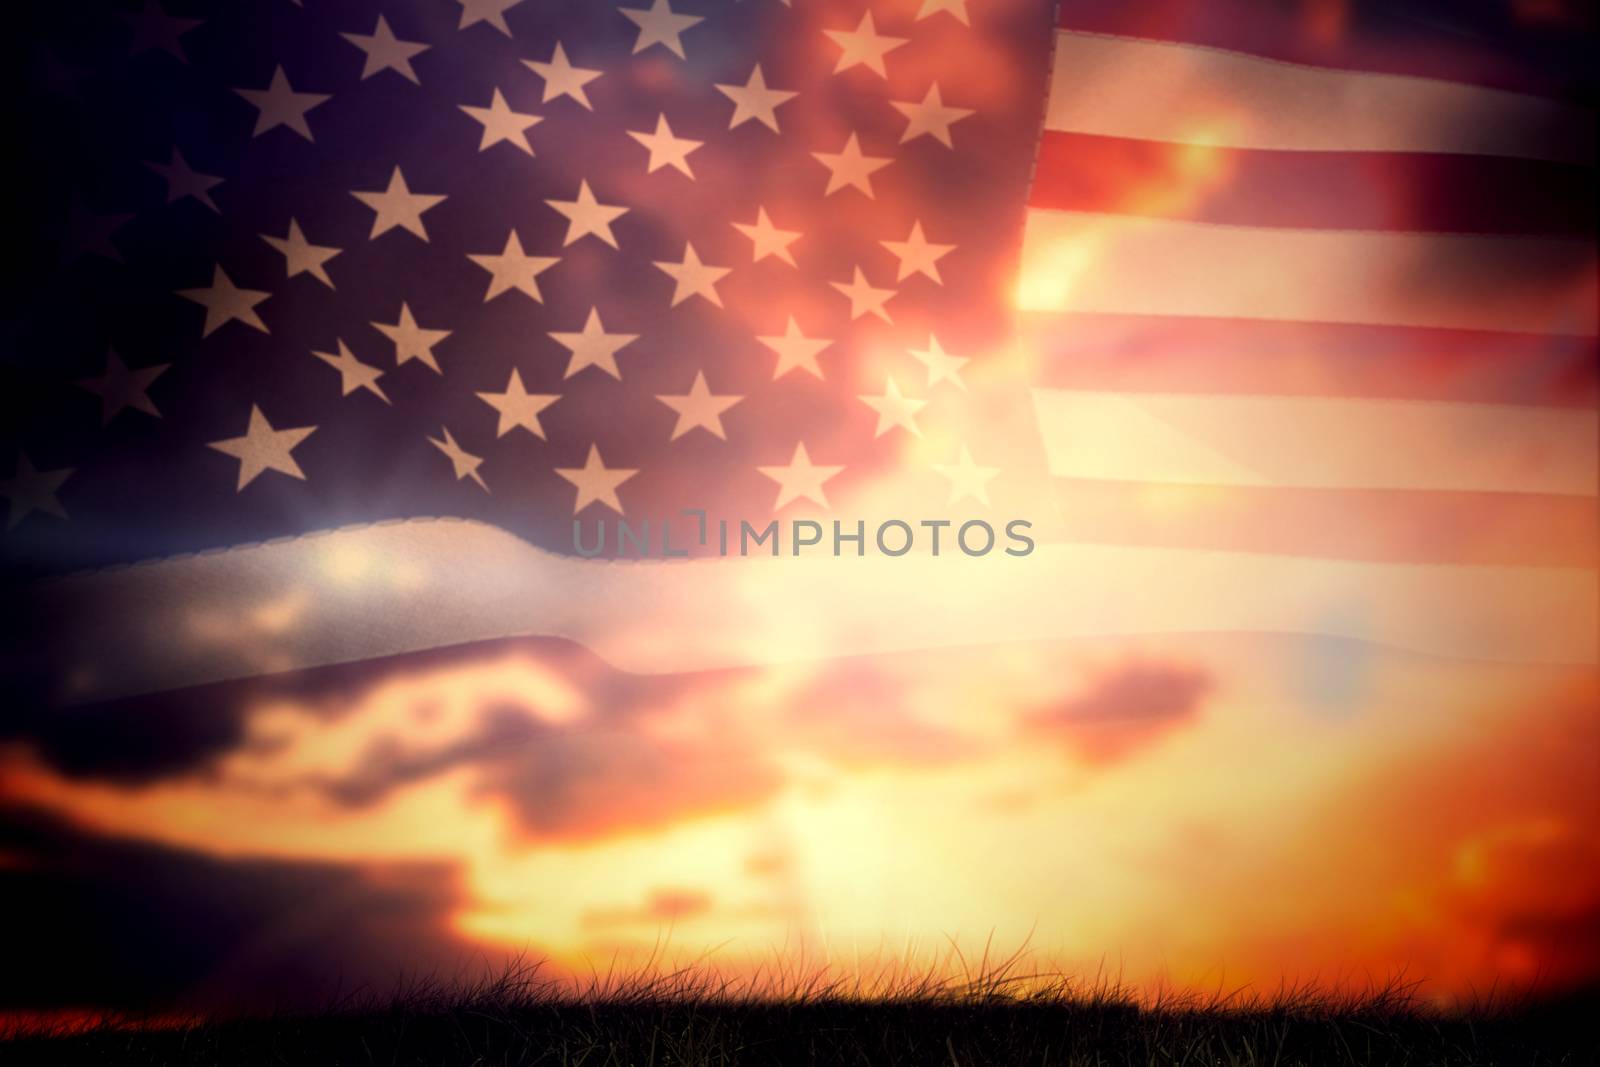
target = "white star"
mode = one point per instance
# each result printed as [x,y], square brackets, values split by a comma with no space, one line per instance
[894,409]
[594,347]
[665,149]
[264,449]
[917,256]
[518,407]
[693,277]
[465,463]
[153,28]
[864,299]
[699,408]
[659,25]
[280,105]
[957,9]
[586,216]
[385,51]
[967,478]
[89,234]
[561,78]
[183,180]
[513,269]
[30,490]
[500,123]
[753,100]
[302,256]
[800,478]
[864,46]
[353,374]
[849,167]
[769,240]
[491,11]
[795,349]
[119,387]
[930,117]
[596,482]
[225,302]
[398,206]
[942,367]
[412,341]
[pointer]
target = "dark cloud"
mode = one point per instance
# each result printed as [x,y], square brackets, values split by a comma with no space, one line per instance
[100,922]
[1125,710]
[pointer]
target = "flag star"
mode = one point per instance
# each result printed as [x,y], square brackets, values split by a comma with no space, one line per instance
[89,234]
[353,374]
[659,25]
[753,100]
[894,409]
[864,299]
[795,350]
[769,240]
[518,407]
[398,206]
[917,256]
[120,387]
[942,367]
[665,149]
[412,341]
[850,167]
[29,490]
[225,302]
[500,123]
[864,46]
[264,449]
[800,478]
[957,9]
[385,51]
[280,105]
[594,347]
[561,78]
[596,482]
[465,463]
[930,117]
[586,216]
[183,180]
[491,11]
[967,478]
[699,408]
[302,256]
[513,269]
[153,28]
[693,277]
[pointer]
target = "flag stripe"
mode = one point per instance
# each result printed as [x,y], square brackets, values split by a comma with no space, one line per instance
[1175,354]
[1428,192]
[1368,524]
[1318,442]
[1381,38]
[1076,261]
[366,592]
[1162,91]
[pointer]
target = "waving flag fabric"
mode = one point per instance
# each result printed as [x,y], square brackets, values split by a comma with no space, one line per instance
[1259,334]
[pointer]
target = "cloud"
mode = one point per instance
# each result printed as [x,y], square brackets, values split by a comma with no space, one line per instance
[1125,710]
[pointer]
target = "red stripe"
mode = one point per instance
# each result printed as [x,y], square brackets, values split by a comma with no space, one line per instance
[1377,38]
[1377,525]
[1432,193]
[1119,353]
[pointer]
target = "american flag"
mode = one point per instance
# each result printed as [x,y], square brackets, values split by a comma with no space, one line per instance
[1270,317]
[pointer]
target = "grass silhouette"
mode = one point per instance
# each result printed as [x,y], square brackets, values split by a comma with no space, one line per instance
[995,1012]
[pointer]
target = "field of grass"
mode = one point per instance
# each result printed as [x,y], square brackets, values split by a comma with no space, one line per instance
[686,1018]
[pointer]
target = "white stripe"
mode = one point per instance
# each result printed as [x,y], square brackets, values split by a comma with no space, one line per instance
[374,591]
[1086,262]
[1319,442]
[1161,91]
